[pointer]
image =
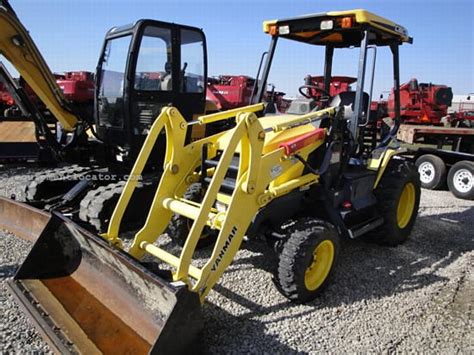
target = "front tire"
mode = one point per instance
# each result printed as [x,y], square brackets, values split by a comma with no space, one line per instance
[398,198]
[307,259]
[461,180]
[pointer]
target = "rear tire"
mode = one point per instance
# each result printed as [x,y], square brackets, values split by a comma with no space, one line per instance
[432,171]
[307,259]
[398,198]
[461,180]
[179,226]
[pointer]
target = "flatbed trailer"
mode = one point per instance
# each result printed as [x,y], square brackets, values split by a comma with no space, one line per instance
[18,141]
[18,135]
[439,166]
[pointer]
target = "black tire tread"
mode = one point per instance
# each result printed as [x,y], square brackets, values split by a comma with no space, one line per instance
[396,175]
[301,239]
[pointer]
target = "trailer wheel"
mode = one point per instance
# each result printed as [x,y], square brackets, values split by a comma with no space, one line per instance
[307,259]
[461,180]
[432,171]
[398,196]
[179,226]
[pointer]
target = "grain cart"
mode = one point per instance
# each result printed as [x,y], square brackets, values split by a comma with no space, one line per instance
[303,181]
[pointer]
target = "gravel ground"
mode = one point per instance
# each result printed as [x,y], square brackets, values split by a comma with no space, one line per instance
[417,297]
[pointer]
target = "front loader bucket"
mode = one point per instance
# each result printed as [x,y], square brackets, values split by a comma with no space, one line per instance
[22,220]
[88,297]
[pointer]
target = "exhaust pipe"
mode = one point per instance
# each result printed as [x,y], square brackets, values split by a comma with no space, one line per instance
[86,296]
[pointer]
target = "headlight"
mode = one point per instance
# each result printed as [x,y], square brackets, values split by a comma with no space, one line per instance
[284,30]
[327,25]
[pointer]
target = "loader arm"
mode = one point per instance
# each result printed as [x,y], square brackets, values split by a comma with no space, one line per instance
[17,46]
[266,171]
[93,293]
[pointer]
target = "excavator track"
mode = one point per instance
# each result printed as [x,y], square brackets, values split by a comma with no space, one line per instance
[53,182]
[97,206]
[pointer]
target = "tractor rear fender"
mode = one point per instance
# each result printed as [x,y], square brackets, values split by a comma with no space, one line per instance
[381,158]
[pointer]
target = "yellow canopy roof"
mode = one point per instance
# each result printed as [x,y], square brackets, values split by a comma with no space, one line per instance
[338,28]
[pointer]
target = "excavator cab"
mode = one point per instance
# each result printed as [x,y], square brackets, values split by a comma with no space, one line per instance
[142,68]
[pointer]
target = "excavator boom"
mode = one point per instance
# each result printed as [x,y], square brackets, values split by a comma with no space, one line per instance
[17,46]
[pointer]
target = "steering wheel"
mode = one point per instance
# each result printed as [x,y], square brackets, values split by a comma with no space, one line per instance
[324,94]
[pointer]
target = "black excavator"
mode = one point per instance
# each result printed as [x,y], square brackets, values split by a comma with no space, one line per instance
[142,68]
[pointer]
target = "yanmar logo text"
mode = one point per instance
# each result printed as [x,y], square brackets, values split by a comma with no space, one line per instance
[231,236]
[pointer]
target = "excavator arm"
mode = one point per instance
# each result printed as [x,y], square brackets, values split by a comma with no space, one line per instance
[17,46]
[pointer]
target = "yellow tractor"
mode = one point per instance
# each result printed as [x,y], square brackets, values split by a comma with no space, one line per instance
[304,180]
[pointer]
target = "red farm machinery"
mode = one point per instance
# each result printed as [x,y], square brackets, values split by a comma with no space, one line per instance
[232,91]
[5,99]
[19,107]
[422,103]
[338,84]
[77,87]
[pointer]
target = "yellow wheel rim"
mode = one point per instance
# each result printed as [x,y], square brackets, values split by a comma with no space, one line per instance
[316,273]
[406,205]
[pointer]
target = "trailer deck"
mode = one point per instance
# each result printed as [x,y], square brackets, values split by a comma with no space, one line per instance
[414,133]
